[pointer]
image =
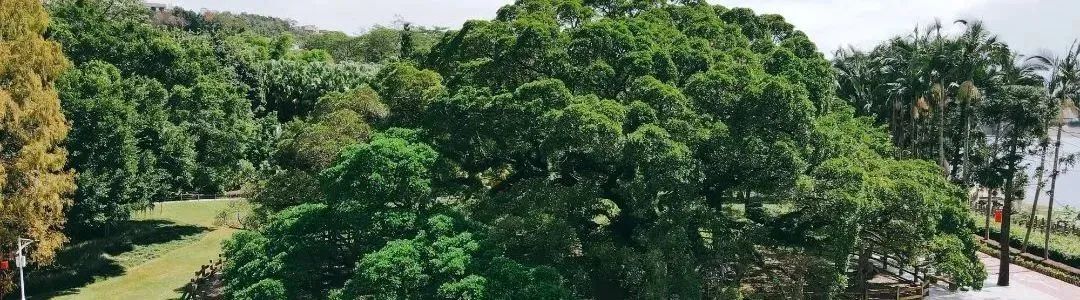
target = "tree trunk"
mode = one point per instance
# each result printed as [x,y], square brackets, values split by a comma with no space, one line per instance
[1053,188]
[989,209]
[1035,203]
[894,127]
[915,138]
[1006,221]
[864,264]
[989,191]
[941,136]
[967,145]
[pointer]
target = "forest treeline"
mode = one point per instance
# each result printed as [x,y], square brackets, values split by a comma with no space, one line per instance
[565,149]
[151,105]
[179,102]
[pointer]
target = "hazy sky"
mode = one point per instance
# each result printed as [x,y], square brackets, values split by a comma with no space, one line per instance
[1027,25]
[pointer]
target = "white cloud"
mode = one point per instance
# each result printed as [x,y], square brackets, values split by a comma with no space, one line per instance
[1027,25]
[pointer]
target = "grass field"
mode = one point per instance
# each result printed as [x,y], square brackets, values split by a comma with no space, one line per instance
[151,258]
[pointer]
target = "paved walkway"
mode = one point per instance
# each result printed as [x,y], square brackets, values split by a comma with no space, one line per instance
[1024,284]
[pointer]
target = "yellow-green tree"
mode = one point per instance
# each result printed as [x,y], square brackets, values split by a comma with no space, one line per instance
[34,184]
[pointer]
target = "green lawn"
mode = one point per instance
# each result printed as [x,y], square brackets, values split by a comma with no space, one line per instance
[152,258]
[201,212]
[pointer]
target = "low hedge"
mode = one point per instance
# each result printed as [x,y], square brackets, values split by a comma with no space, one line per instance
[1017,241]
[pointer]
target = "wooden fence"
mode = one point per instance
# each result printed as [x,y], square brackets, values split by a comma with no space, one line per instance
[197,196]
[911,280]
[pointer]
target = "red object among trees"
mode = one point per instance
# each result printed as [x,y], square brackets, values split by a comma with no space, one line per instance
[4,265]
[997,216]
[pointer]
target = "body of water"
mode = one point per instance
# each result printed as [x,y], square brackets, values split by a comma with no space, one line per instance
[1068,183]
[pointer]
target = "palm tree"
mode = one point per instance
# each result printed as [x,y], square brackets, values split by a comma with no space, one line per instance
[900,75]
[918,112]
[856,79]
[1062,81]
[937,96]
[939,66]
[969,96]
[976,49]
[1039,184]
[918,64]
[1032,68]
[928,64]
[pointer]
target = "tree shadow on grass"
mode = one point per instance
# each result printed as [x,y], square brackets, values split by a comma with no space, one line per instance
[86,261]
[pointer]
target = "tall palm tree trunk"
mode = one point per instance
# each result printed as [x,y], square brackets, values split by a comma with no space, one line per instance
[989,207]
[989,192]
[941,132]
[1053,188]
[894,126]
[967,147]
[1035,202]
[914,138]
[1006,218]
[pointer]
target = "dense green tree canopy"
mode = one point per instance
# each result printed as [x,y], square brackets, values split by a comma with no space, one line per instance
[307,146]
[120,33]
[160,108]
[610,150]
[226,22]
[178,102]
[118,136]
[291,88]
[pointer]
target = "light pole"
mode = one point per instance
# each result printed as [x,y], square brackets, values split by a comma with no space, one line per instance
[20,261]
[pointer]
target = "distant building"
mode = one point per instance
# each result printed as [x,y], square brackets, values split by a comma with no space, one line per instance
[157,7]
[1070,114]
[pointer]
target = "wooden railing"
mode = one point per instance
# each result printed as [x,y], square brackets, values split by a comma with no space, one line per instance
[197,196]
[203,281]
[913,280]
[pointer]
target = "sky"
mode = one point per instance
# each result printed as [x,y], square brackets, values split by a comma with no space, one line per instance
[1029,26]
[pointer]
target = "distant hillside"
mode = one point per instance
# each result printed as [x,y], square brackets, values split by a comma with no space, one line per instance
[376,45]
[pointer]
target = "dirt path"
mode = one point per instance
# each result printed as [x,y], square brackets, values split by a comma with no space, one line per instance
[1024,284]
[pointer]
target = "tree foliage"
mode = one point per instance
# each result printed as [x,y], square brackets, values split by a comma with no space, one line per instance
[117,139]
[607,149]
[929,87]
[936,90]
[119,33]
[379,44]
[376,192]
[307,146]
[178,102]
[291,88]
[34,184]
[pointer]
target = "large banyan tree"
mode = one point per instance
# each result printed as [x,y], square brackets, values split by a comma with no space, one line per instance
[611,150]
